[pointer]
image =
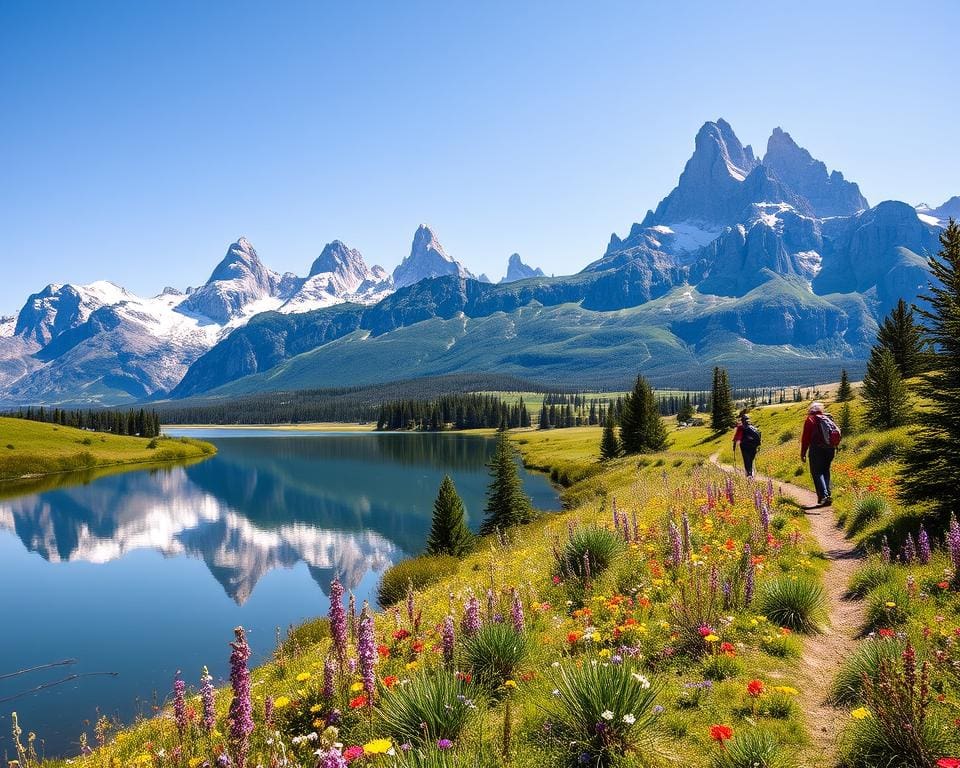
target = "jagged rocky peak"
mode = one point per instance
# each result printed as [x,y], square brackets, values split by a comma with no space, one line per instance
[828,194]
[517,270]
[427,259]
[237,281]
[339,259]
[708,190]
[57,308]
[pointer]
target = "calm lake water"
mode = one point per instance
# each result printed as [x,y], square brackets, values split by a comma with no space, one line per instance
[146,572]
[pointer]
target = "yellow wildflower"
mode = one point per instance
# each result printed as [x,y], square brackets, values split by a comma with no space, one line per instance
[510,684]
[377,746]
[861,713]
[890,604]
[195,761]
[357,686]
[711,638]
[303,677]
[281,701]
[786,689]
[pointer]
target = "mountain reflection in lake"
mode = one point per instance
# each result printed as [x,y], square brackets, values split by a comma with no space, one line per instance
[122,582]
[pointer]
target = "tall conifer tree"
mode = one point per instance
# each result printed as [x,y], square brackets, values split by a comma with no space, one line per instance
[884,391]
[901,334]
[449,534]
[609,442]
[507,504]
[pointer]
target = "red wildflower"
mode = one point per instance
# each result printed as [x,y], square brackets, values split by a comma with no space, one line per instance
[465,676]
[359,701]
[721,733]
[948,762]
[704,630]
[755,688]
[401,634]
[383,651]
[885,633]
[944,585]
[572,637]
[727,648]
[352,753]
[390,681]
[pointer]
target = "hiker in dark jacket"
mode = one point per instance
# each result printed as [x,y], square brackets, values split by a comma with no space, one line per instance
[821,453]
[747,437]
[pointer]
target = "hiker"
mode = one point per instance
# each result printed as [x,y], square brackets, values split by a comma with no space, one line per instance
[747,437]
[818,438]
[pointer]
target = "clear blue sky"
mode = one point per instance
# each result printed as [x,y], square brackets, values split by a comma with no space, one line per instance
[138,139]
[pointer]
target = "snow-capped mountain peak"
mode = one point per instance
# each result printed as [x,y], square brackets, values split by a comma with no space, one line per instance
[427,259]
[517,270]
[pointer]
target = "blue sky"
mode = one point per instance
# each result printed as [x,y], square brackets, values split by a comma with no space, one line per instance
[137,140]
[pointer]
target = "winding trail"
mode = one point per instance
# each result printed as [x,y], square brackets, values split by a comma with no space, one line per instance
[823,653]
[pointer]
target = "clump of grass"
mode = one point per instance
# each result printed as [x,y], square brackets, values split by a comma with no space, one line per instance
[426,708]
[721,667]
[796,603]
[601,545]
[785,436]
[888,607]
[754,748]
[780,645]
[420,571]
[304,635]
[695,695]
[779,703]
[866,510]
[603,711]
[494,654]
[863,663]
[869,576]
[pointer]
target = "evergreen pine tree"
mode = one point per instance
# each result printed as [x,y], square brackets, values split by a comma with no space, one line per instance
[901,334]
[449,534]
[884,391]
[931,470]
[609,443]
[685,414]
[845,420]
[633,419]
[844,391]
[507,504]
[655,431]
[722,416]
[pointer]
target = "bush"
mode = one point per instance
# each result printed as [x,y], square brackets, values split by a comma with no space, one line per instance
[754,748]
[152,444]
[863,663]
[420,571]
[866,510]
[794,603]
[494,654]
[602,710]
[426,708]
[603,547]
[887,607]
[868,577]
[721,667]
[780,645]
[304,635]
[785,437]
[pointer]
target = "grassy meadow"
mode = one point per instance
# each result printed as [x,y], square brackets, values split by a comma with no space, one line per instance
[29,449]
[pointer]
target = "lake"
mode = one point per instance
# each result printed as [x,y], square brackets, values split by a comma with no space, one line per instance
[136,574]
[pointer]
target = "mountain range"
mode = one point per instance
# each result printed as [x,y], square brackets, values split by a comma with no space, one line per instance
[773,266]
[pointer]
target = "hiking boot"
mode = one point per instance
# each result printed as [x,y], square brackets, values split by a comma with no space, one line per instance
[827,501]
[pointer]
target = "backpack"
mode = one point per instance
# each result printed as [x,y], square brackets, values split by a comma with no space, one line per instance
[829,430]
[750,436]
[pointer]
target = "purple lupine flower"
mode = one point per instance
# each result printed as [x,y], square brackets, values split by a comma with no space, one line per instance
[687,537]
[338,620]
[516,613]
[727,592]
[367,651]
[332,759]
[711,497]
[444,744]
[769,491]
[268,711]
[411,607]
[329,672]
[352,665]
[765,518]
[241,710]
[729,490]
[179,705]
[352,617]
[471,617]
[209,717]
[885,553]
[953,541]
[446,638]
[923,546]
[909,552]
[748,575]
[676,546]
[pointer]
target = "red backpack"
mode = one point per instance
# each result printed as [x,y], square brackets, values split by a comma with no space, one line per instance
[829,430]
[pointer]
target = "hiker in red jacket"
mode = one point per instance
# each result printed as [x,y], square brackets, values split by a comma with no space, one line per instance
[821,453]
[747,437]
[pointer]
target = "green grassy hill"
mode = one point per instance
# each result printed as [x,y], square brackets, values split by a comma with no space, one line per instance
[29,448]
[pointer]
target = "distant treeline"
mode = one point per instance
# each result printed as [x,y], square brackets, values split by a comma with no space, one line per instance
[343,404]
[132,422]
[471,411]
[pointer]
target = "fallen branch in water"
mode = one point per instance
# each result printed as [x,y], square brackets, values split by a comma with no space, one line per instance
[55,683]
[64,663]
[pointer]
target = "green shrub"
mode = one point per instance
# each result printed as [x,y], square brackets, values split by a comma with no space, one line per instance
[494,654]
[863,663]
[426,708]
[420,571]
[782,646]
[796,603]
[753,748]
[869,576]
[778,704]
[866,510]
[888,607]
[785,437]
[602,545]
[615,696]
[305,635]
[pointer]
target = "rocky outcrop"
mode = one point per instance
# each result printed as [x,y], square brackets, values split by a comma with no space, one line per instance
[517,270]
